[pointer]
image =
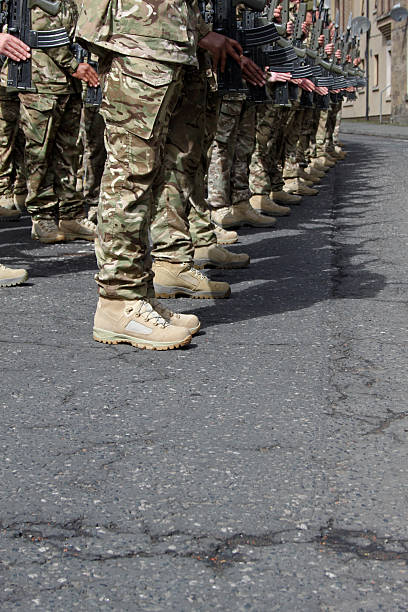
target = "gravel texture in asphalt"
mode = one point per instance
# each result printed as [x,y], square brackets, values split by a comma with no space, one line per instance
[263,468]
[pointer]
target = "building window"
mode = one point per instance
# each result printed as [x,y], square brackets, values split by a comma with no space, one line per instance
[376,71]
[388,59]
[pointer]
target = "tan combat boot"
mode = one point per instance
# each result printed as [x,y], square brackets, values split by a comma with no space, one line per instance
[266,206]
[172,279]
[298,188]
[135,322]
[243,214]
[319,164]
[20,200]
[215,256]
[326,160]
[9,213]
[307,178]
[46,231]
[78,229]
[282,197]
[314,173]
[12,276]
[225,236]
[188,321]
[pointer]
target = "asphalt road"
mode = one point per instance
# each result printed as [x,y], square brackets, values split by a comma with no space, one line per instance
[262,468]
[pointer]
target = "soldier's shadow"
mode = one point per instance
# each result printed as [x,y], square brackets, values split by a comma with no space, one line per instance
[310,258]
[17,249]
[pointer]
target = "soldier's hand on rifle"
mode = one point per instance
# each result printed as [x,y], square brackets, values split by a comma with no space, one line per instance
[277,13]
[86,73]
[279,77]
[321,40]
[290,28]
[219,47]
[12,47]
[357,61]
[251,72]
[329,49]
[305,28]
[305,84]
[337,55]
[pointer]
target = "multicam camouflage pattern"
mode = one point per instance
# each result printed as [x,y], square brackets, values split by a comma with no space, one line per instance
[9,121]
[302,144]
[292,133]
[263,169]
[182,164]
[161,30]
[51,67]
[331,122]
[201,226]
[321,132]
[51,124]
[93,153]
[231,150]
[336,131]
[139,99]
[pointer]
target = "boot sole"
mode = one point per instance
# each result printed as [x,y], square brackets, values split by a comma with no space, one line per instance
[243,224]
[12,282]
[46,240]
[172,292]
[273,214]
[77,237]
[227,241]
[203,263]
[106,337]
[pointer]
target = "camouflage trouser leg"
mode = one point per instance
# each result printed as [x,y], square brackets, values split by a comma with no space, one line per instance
[315,125]
[330,125]
[222,153]
[277,147]
[94,154]
[201,226]
[20,182]
[50,124]
[9,121]
[169,227]
[66,161]
[321,133]
[139,97]
[336,132]
[243,150]
[304,137]
[260,168]
[292,133]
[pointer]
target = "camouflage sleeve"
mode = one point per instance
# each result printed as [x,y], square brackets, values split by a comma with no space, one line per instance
[202,28]
[64,58]
[66,18]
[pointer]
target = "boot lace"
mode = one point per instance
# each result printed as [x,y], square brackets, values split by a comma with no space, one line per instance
[143,308]
[47,225]
[197,274]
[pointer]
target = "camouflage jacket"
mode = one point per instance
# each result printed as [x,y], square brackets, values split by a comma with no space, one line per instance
[51,68]
[161,30]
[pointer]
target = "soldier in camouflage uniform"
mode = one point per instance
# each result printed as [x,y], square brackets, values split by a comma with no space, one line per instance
[16,50]
[228,174]
[9,124]
[265,177]
[183,191]
[143,79]
[94,157]
[50,122]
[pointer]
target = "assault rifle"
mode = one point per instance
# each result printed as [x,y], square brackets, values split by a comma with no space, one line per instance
[93,95]
[16,14]
[225,22]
